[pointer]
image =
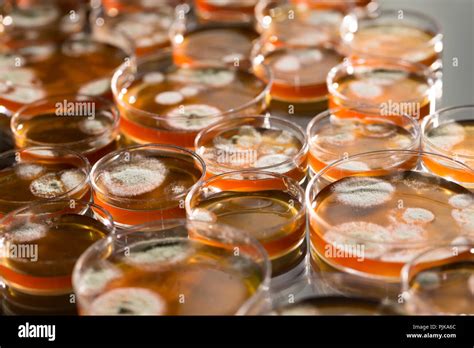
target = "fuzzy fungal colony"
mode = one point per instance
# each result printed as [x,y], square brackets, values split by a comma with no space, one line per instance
[144,175]
[34,71]
[179,102]
[332,138]
[395,41]
[300,23]
[141,175]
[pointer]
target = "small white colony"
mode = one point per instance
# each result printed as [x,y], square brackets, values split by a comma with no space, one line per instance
[400,255]
[72,178]
[354,166]
[207,77]
[154,77]
[78,48]
[378,130]
[287,63]
[462,201]
[247,137]
[386,78]
[417,216]
[205,215]
[338,137]
[464,218]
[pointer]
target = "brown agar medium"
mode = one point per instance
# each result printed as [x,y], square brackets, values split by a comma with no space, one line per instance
[226,11]
[255,142]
